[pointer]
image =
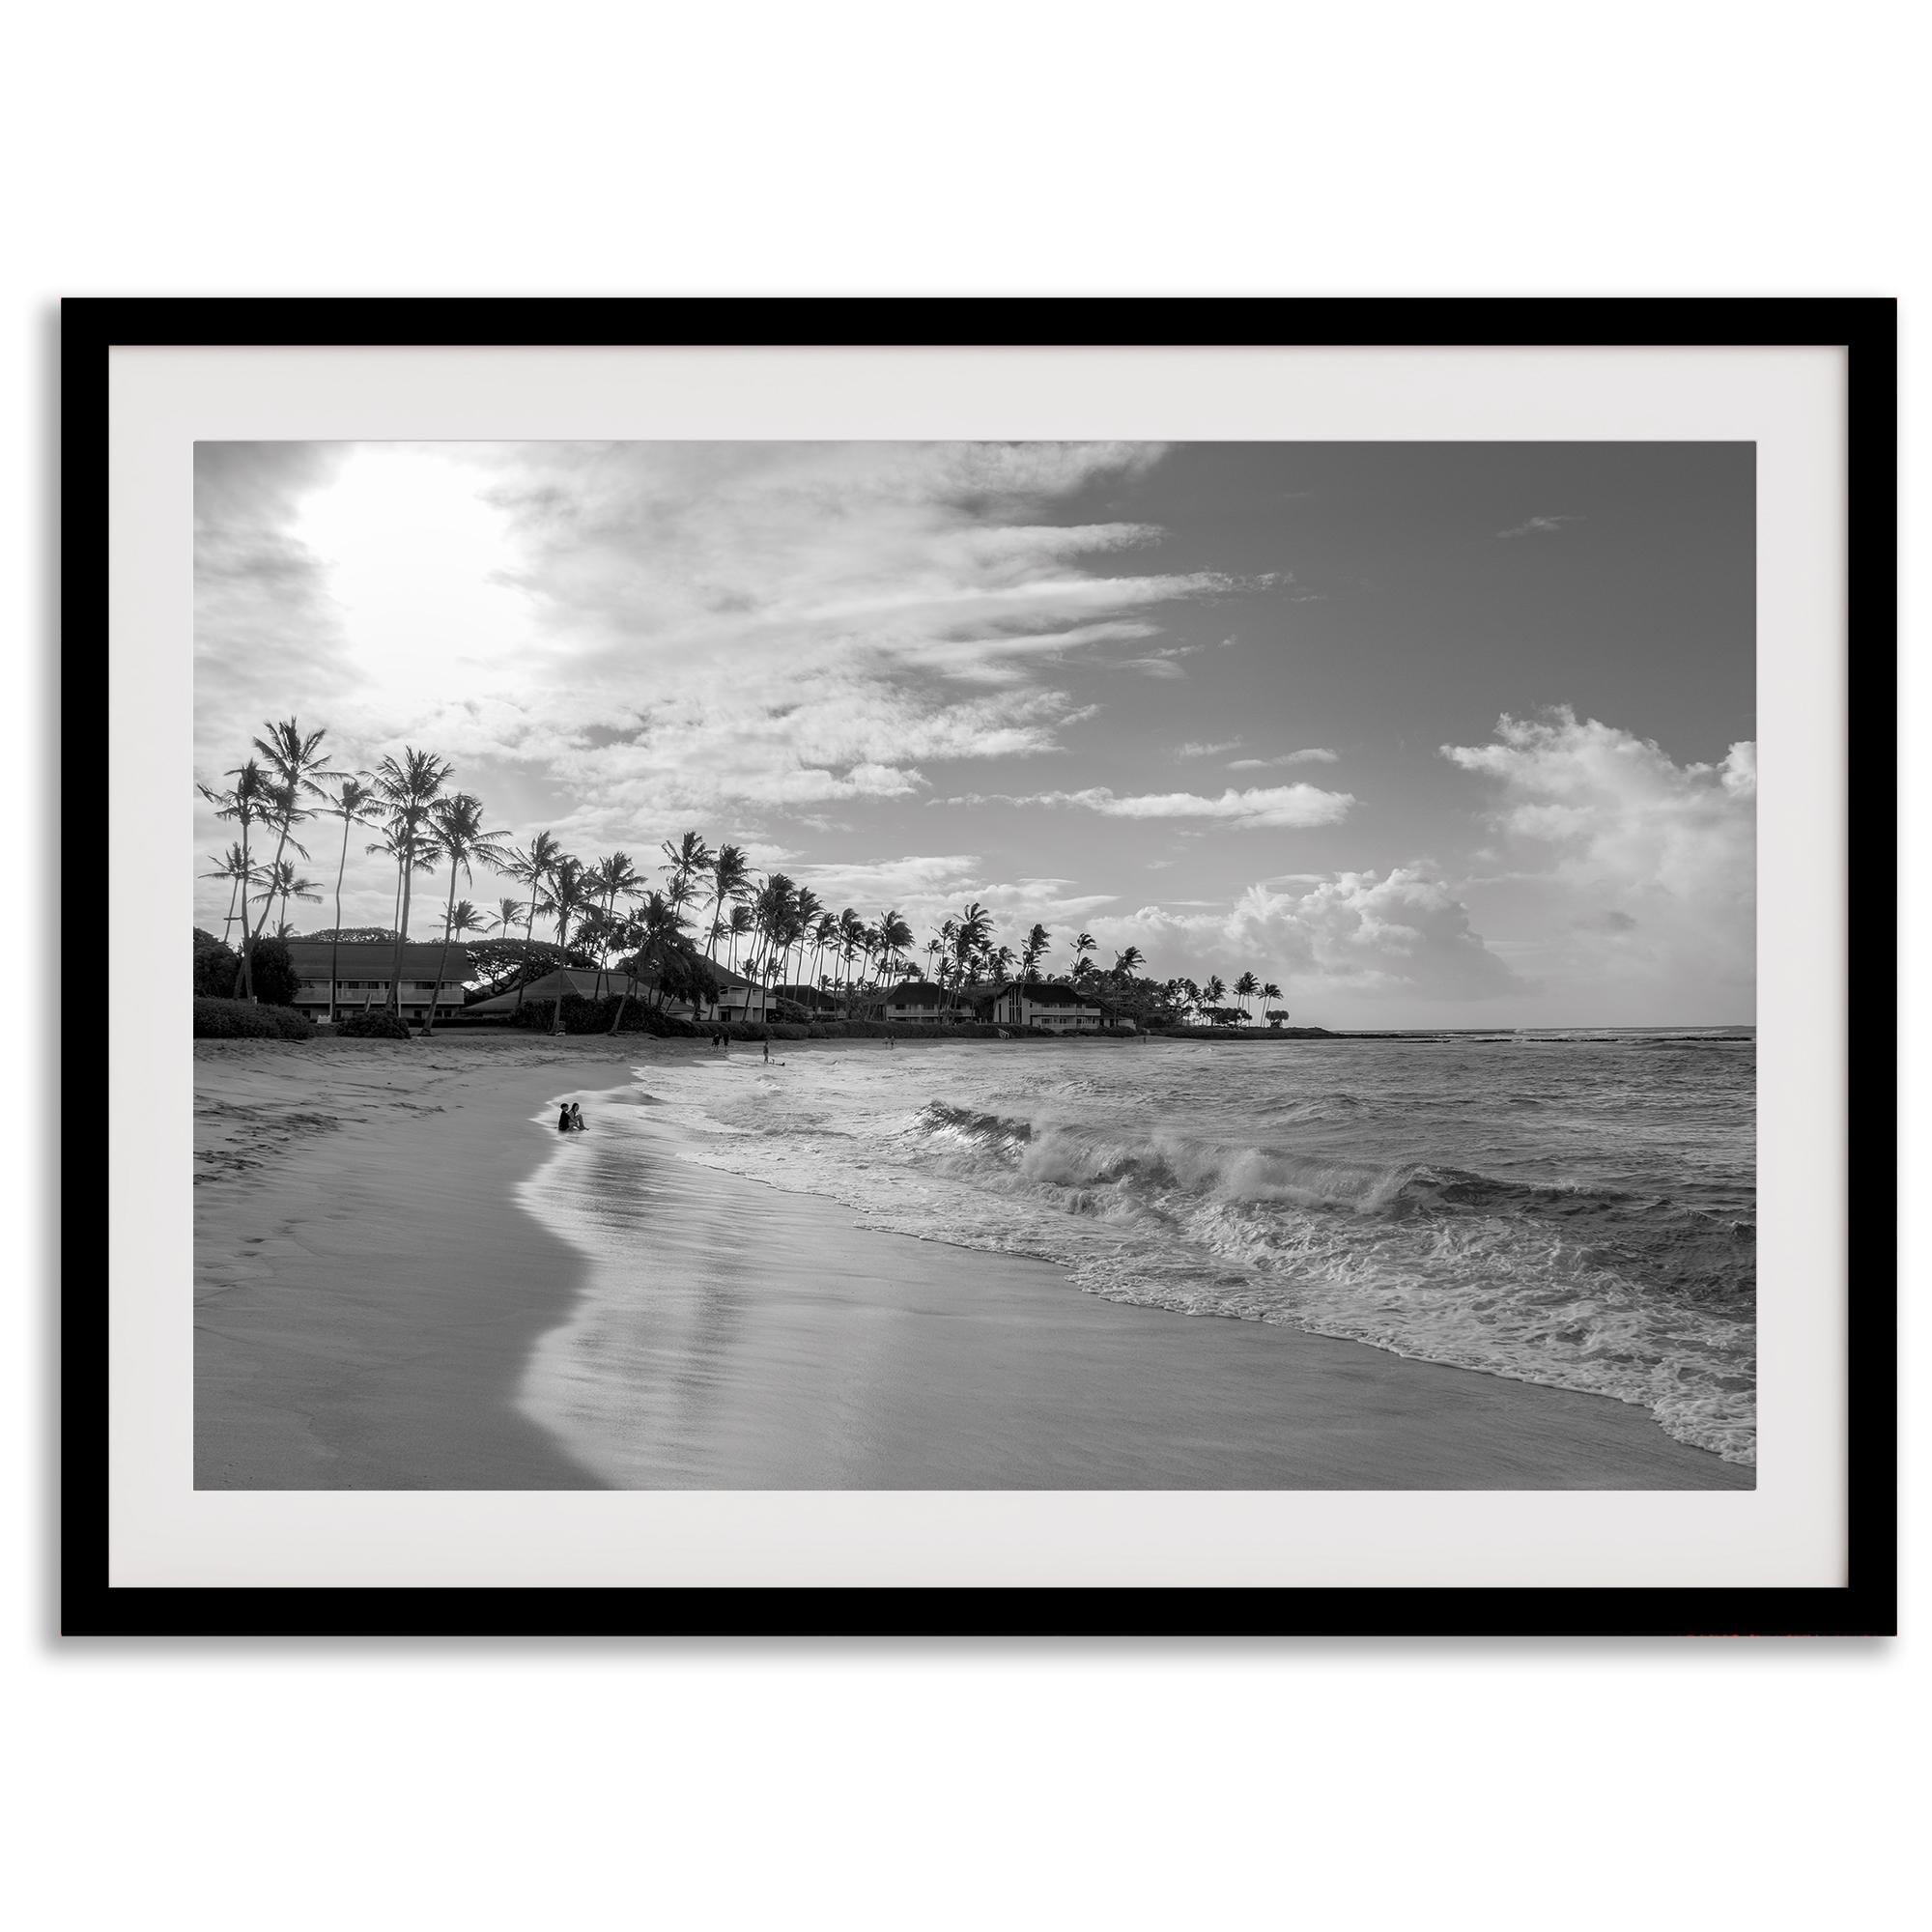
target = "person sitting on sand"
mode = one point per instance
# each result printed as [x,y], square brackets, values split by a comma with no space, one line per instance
[576,1119]
[563,1117]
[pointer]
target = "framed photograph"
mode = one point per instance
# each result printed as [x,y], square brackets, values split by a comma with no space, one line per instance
[979,967]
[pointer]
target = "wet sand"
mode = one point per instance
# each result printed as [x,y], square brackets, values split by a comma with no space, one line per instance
[375,1310]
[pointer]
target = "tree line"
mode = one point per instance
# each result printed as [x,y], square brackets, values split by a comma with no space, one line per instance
[772,930]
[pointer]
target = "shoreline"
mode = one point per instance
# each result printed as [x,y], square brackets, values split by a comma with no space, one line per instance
[375,1308]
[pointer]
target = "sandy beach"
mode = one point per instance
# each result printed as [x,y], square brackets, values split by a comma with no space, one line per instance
[375,1310]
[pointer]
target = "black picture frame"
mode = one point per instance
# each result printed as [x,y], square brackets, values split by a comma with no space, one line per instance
[1866,1604]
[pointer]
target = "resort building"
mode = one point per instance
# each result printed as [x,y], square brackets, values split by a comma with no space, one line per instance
[1040,1002]
[364,970]
[738,1000]
[920,1000]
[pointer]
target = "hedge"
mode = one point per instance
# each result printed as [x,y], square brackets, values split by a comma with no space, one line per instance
[378,1024]
[238,1019]
[582,1015]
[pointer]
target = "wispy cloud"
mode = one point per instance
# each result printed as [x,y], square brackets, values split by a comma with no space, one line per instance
[1281,807]
[671,630]
[1539,527]
[1199,748]
[1314,754]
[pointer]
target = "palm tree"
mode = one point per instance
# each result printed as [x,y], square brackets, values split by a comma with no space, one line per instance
[564,897]
[1125,962]
[530,868]
[408,789]
[294,764]
[461,917]
[1036,949]
[739,925]
[616,876]
[400,848]
[1271,991]
[233,865]
[824,933]
[279,881]
[805,908]
[689,857]
[1082,946]
[658,924]
[509,913]
[248,801]
[729,876]
[895,935]
[851,941]
[1245,988]
[1211,994]
[458,823]
[771,908]
[354,802]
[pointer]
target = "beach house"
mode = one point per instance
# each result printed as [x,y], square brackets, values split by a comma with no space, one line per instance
[1040,1002]
[737,1000]
[364,969]
[918,1000]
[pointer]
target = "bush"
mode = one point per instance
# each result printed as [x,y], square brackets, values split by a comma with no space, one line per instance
[377,1025]
[273,979]
[214,967]
[582,1015]
[236,1019]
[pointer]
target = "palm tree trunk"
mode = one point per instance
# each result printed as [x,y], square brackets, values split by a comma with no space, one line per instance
[597,985]
[335,943]
[248,938]
[530,940]
[401,939]
[624,998]
[563,949]
[429,1021]
[244,978]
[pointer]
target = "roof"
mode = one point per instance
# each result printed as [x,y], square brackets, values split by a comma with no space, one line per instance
[364,959]
[917,993]
[572,980]
[1045,993]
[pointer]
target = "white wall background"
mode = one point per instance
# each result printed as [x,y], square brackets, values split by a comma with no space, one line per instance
[1685,148]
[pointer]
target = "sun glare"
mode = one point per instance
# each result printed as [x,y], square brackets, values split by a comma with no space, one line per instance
[412,550]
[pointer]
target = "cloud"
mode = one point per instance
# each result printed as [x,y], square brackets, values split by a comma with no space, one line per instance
[1370,935]
[608,635]
[1617,841]
[1283,806]
[1314,754]
[1196,748]
[1539,527]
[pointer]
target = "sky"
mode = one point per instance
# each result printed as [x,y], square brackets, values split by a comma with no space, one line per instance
[1428,734]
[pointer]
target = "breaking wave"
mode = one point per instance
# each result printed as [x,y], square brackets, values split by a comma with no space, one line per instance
[1272,1206]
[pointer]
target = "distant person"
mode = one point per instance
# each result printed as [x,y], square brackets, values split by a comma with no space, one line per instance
[768,1049]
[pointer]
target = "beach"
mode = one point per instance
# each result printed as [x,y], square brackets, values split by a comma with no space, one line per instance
[380,1304]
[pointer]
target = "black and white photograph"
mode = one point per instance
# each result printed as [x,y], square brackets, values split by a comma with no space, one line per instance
[974,965]
[968,967]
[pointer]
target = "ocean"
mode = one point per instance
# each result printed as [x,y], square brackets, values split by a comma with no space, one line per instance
[1575,1208]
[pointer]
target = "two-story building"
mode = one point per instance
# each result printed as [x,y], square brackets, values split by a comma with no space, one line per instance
[738,1000]
[1040,1003]
[919,1000]
[364,969]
